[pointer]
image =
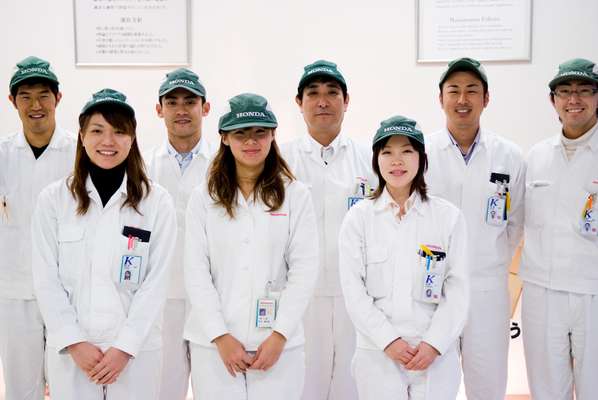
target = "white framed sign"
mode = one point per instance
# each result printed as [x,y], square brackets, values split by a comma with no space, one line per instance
[487,30]
[132,32]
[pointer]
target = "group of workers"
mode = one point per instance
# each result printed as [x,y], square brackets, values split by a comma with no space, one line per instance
[320,270]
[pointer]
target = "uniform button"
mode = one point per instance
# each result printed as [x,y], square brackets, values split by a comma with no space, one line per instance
[246,240]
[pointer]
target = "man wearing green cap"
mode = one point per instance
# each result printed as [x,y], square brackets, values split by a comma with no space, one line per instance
[30,159]
[558,267]
[339,174]
[482,174]
[179,164]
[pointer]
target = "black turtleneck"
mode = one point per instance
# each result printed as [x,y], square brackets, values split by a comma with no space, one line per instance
[107,181]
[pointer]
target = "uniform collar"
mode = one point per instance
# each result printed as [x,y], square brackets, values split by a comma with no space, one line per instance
[93,192]
[386,202]
[309,144]
[446,139]
[58,140]
[201,148]
[592,143]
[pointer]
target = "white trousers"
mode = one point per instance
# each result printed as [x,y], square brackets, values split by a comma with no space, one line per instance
[485,345]
[380,378]
[22,343]
[176,362]
[211,380]
[560,339]
[329,348]
[140,380]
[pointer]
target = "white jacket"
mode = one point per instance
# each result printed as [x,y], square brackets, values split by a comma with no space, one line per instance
[228,263]
[555,254]
[77,264]
[469,187]
[22,177]
[331,185]
[381,271]
[164,169]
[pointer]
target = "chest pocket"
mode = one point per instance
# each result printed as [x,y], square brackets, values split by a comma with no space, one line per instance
[538,207]
[377,272]
[131,264]
[71,251]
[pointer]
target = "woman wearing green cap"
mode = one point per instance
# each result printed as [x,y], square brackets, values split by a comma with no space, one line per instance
[102,239]
[251,263]
[403,268]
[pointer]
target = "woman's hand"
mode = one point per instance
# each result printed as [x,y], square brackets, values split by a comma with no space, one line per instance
[110,367]
[269,351]
[426,354]
[233,354]
[85,355]
[400,351]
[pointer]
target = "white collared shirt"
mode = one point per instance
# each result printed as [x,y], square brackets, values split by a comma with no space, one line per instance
[468,187]
[163,168]
[380,266]
[22,177]
[555,254]
[331,183]
[77,265]
[229,262]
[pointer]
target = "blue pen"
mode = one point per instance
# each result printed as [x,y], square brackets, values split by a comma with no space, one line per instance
[428,258]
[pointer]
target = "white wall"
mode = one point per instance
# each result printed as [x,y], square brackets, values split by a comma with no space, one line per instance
[262,45]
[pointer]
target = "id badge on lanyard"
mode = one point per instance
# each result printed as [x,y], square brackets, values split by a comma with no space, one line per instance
[266,308]
[433,276]
[362,189]
[588,225]
[497,206]
[130,264]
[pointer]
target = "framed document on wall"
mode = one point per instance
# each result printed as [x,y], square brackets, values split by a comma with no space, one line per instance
[132,32]
[487,30]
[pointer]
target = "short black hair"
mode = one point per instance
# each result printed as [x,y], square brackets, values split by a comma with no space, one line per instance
[418,184]
[320,79]
[34,81]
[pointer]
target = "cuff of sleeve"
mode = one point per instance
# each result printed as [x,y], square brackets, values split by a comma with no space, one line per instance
[440,343]
[69,334]
[128,341]
[214,331]
[384,336]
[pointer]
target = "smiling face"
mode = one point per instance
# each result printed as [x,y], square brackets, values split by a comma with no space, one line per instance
[183,114]
[398,162]
[249,146]
[463,99]
[577,114]
[106,146]
[323,106]
[36,105]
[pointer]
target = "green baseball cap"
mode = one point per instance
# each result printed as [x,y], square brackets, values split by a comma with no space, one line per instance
[464,64]
[108,96]
[247,110]
[577,68]
[398,125]
[182,78]
[321,68]
[32,67]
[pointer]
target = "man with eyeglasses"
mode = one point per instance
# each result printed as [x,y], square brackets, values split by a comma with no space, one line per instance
[483,174]
[560,255]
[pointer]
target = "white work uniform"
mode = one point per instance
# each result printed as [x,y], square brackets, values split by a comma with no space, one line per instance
[485,338]
[22,177]
[164,169]
[560,272]
[329,334]
[382,276]
[79,265]
[228,264]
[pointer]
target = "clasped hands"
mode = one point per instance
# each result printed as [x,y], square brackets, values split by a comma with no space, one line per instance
[412,358]
[101,368]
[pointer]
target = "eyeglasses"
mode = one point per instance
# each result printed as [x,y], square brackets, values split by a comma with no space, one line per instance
[566,93]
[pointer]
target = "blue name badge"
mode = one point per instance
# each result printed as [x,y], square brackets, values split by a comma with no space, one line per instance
[130,269]
[351,201]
